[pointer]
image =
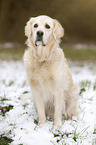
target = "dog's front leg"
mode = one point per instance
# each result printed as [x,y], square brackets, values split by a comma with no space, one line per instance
[58,107]
[39,102]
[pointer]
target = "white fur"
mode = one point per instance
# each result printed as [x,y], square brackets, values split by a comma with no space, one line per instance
[48,72]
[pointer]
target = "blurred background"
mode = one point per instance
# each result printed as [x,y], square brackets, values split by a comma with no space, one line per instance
[78,17]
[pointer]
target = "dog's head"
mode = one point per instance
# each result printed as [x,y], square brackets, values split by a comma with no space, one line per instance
[42,32]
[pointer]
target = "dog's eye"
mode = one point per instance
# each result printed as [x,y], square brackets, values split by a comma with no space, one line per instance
[47,26]
[36,25]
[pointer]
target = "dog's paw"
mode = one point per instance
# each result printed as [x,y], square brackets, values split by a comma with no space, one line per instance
[41,124]
[58,123]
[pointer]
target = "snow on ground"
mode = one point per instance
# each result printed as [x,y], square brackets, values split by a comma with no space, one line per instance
[21,122]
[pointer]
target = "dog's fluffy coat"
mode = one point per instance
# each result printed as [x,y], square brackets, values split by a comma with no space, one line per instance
[48,73]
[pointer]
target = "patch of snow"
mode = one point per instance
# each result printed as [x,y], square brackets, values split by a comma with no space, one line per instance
[8,45]
[81,46]
[19,123]
[84,46]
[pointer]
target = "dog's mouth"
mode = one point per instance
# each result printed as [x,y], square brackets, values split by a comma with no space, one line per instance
[39,38]
[39,41]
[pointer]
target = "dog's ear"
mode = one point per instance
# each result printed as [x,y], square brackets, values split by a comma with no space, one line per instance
[58,31]
[28,29]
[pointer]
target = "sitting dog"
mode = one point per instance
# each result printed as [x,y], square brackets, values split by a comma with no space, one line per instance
[48,72]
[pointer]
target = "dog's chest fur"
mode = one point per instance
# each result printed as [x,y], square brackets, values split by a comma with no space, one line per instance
[44,73]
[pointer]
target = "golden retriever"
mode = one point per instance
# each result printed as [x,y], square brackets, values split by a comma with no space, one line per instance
[48,72]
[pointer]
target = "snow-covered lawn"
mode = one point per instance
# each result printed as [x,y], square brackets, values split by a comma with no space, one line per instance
[21,122]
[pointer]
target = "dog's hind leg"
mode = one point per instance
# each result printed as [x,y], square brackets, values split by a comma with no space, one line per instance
[72,101]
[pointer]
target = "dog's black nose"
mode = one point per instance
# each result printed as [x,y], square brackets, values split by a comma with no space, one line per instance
[40,33]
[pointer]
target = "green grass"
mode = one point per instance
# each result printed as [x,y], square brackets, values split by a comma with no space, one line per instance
[94,132]
[85,83]
[82,90]
[61,136]
[5,109]
[71,53]
[94,87]
[80,54]
[4,140]
[11,54]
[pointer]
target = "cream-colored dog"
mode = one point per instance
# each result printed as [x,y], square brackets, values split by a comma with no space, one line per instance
[48,72]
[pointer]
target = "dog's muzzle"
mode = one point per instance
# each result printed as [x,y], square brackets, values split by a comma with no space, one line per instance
[39,38]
